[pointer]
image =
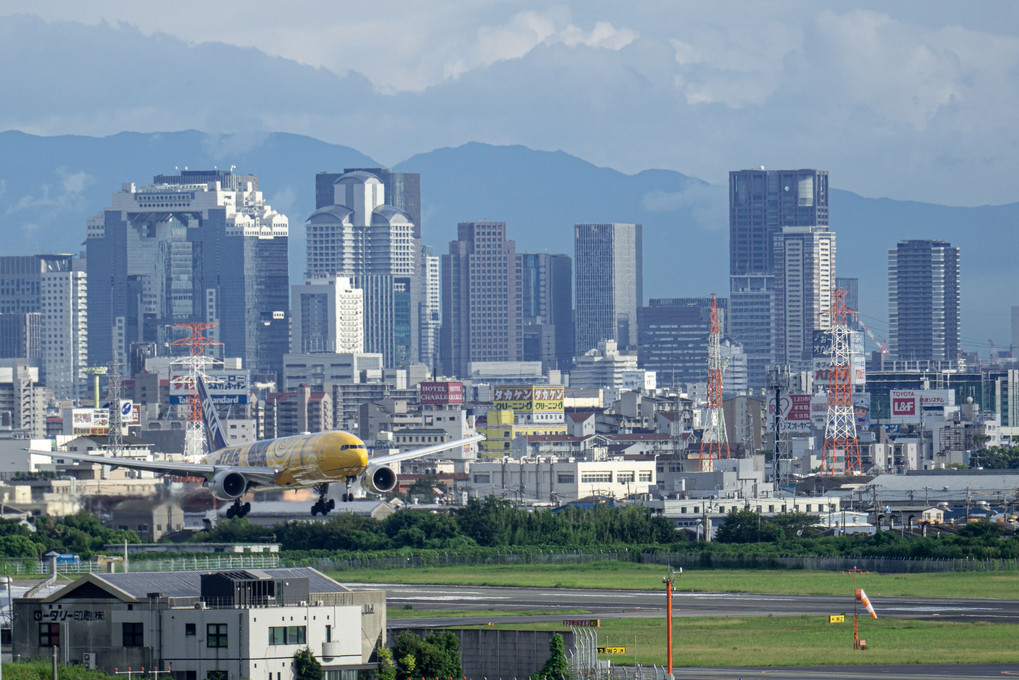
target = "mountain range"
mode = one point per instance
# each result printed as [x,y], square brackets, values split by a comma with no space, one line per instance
[50,185]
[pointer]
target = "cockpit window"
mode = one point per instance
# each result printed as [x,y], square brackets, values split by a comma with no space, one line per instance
[351,446]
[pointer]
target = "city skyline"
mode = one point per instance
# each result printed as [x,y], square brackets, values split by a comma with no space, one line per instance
[910,100]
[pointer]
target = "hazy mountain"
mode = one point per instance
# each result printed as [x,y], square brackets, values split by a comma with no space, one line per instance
[50,185]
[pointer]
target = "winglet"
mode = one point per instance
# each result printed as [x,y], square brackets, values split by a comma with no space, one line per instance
[213,428]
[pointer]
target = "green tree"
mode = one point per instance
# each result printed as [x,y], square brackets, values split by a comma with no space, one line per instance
[744,526]
[405,651]
[387,667]
[306,666]
[555,667]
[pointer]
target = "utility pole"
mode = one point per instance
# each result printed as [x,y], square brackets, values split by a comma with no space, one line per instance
[778,380]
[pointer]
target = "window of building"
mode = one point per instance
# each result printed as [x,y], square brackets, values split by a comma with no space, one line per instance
[566,479]
[595,477]
[287,635]
[49,634]
[216,675]
[132,632]
[624,477]
[189,629]
[482,479]
[645,476]
[215,635]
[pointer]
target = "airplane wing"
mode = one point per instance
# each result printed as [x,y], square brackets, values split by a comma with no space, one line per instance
[258,475]
[425,451]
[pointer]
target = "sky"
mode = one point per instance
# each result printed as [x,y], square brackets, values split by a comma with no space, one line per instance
[911,100]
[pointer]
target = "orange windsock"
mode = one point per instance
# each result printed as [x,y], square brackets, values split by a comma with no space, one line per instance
[862,597]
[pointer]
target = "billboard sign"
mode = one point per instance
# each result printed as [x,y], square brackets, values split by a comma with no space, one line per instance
[535,399]
[442,392]
[908,405]
[795,412]
[861,409]
[226,386]
[89,421]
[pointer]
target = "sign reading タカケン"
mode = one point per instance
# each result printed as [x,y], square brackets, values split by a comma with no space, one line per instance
[532,398]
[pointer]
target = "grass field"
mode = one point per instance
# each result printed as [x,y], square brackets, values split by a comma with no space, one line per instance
[802,641]
[995,584]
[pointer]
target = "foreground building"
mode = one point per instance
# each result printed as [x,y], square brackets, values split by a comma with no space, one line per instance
[213,625]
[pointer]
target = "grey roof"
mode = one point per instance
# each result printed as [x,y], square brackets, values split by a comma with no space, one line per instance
[339,212]
[189,583]
[388,214]
[359,175]
[1002,481]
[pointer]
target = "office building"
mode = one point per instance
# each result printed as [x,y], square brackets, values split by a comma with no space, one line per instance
[673,338]
[21,336]
[22,400]
[547,289]
[804,280]
[482,315]
[609,284]
[761,203]
[751,313]
[923,301]
[43,316]
[430,310]
[198,246]
[362,237]
[327,316]
[402,190]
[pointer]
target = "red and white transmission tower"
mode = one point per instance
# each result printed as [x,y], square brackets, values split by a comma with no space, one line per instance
[194,434]
[714,444]
[841,447]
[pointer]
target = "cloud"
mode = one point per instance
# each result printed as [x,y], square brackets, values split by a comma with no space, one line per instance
[706,204]
[526,31]
[67,194]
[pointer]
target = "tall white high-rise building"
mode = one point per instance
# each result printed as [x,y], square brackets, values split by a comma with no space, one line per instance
[328,316]
[64,297]
[804,280]
[361,237]
[431,306]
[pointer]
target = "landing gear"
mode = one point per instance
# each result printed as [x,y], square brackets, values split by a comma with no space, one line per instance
[322,505]
[238,509]
[348,495]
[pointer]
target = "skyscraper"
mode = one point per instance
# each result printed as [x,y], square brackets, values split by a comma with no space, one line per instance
[42,299]
[327,316]
[429,310]
[609,284]
[65,326]
[201,245]
[362,237]
[804,279]
[923,301]
[481,298]
[547,290]
[761,203]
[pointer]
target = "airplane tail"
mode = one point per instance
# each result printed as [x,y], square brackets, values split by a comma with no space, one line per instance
[213,428]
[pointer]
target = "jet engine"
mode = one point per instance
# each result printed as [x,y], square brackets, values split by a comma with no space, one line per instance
[227,485]
[379,479]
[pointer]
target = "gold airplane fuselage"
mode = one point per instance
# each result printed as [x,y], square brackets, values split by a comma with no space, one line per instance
[302,460]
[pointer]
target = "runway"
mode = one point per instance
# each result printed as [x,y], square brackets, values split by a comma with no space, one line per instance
[550,602]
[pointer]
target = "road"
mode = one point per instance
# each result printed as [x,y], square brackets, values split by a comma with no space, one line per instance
[643,603]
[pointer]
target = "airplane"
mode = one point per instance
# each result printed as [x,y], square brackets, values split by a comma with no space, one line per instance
[299,461]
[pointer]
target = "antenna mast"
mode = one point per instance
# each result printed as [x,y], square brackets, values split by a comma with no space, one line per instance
[714,444]
[196,361]
[841,447]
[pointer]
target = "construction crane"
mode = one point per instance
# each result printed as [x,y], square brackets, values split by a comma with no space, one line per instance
[882,345]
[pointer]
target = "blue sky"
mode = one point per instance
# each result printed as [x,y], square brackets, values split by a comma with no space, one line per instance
[910,100]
